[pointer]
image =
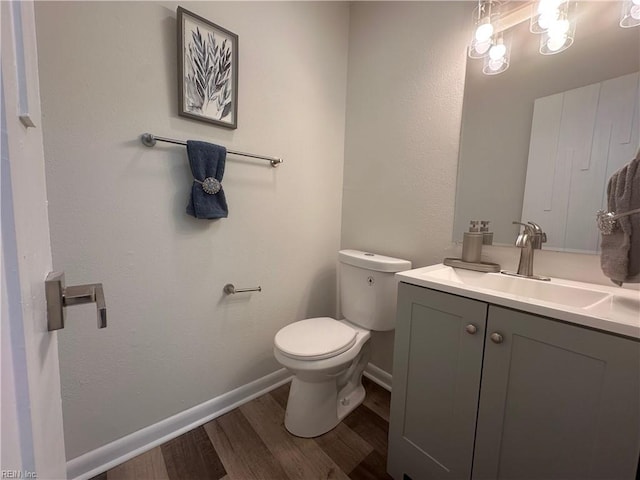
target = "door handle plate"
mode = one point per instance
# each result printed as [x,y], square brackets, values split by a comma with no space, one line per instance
[54,294]
[59,296]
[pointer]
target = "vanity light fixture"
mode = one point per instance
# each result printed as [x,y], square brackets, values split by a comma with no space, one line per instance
[630,16]
[554,20]
[560,31]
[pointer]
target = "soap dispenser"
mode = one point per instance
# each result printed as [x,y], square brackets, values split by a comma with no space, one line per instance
[487,236]
[472,243]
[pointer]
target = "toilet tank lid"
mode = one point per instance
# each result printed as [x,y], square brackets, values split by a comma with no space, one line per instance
[373,261]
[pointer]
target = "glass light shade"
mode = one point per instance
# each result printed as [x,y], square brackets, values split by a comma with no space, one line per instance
[479,49]
[545,13]
[630,16]
[483,17]
[499,56]
[560,34]
[550,45]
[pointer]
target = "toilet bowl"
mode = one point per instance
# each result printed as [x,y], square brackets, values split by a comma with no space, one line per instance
[326,385]
[327,356]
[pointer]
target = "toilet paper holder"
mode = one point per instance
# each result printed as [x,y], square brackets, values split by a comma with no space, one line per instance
[230,289]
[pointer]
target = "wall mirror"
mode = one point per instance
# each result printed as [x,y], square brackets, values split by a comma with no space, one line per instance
[497,119]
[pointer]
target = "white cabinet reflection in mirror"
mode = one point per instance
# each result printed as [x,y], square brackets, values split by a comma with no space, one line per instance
[579,138]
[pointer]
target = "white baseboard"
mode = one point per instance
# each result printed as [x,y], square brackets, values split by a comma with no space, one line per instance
[119,451]
[379,376]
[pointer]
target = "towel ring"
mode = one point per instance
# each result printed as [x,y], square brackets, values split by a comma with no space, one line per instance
[606,221]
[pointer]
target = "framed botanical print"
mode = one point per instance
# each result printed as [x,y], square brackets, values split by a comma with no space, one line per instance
[207,70]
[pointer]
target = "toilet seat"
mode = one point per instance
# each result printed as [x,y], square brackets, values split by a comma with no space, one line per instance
[315,339]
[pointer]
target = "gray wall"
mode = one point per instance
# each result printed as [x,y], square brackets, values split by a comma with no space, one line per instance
[404,102]
[117,208]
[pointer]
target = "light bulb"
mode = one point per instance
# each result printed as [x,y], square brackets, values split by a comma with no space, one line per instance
[484,32]
[545,6]
[559,28]
[635,11]
[497,52]
[556,43]
[546,19]
[635,2]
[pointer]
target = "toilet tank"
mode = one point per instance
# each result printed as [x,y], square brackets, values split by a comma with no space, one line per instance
[368,288]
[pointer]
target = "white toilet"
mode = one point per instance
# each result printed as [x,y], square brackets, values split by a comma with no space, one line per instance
[328,356]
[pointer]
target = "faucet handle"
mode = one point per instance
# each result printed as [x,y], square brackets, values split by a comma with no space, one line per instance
[522,240]
[536,228]
[524,237]
[528,229]
[540,238]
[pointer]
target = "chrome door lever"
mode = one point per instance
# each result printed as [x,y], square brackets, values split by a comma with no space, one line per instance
[58,296]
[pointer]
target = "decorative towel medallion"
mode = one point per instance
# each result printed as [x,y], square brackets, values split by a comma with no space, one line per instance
[606,222]
[210,185]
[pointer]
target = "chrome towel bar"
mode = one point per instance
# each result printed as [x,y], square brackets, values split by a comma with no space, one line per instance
[230,289]
[149,140]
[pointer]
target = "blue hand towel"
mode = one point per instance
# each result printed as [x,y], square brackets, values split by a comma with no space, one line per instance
[206,161]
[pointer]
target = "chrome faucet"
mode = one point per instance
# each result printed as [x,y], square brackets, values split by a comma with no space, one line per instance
[530,239]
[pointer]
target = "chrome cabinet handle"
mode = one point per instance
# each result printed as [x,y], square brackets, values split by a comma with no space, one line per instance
[471,329]
[496,337]
[59,296]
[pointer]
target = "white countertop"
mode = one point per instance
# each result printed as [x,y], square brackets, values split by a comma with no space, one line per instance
[610,309]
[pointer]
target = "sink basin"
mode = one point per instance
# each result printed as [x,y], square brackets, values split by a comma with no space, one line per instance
[602,307]
[523,287]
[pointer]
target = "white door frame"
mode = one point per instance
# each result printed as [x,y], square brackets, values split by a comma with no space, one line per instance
[32,442]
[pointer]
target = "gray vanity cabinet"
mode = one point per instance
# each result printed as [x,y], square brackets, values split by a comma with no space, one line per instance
[523,397]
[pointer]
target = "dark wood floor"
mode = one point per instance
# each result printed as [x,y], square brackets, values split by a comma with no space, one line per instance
[251,442]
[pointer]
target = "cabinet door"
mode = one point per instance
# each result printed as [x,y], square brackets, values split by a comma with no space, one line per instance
[436,377]
[557,402]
